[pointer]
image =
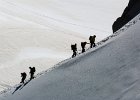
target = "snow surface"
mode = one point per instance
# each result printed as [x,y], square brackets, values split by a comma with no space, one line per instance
[110,71]
[39,32]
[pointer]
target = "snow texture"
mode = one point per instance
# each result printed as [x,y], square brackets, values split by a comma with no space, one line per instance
[39,32]
[110,71]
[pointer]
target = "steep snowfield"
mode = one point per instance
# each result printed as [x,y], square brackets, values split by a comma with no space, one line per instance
[109,72]
[76,15]
[39,32]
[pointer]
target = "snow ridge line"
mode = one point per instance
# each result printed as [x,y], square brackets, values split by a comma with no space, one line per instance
[124,28]
[88,51]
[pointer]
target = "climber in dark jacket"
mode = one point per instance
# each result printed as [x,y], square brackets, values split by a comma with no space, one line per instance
[83,44]
[23,75]
[92,41]
[74,49]
[32,71]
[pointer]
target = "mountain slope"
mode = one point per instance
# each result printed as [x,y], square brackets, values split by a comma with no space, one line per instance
[132,10]
[39,32]
[110,72]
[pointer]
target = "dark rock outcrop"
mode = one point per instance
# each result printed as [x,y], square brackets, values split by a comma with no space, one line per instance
[129,13]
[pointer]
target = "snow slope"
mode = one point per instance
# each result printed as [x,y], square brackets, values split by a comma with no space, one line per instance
[77,15]
[109,72]
[39,32]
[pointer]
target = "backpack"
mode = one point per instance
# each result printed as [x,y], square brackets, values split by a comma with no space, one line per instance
[83,44]
[74,47]
[33,69]
[23,74]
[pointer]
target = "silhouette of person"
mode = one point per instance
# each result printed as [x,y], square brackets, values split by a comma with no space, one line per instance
[92,41]
[23,75]
[32,71]
[74,49]
[83,44]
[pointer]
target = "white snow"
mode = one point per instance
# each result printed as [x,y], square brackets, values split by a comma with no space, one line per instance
[39,32]
[110,71]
